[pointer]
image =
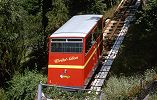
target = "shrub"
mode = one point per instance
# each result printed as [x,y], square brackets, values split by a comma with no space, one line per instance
[128,87]
[3,95]
[118,88]
[150,75]
[24,86]
[152,96]
[61,94]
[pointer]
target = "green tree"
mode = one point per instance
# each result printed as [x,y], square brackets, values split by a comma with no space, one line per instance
[57,16]
[96,6]
[35,58]
[85,7]
[12,37]
[110,3]
[20,32]
[149,16]
[31,6]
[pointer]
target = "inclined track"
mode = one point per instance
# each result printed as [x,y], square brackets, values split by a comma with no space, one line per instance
[114,32]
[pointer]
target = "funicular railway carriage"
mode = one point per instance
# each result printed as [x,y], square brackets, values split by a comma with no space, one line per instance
[74,51]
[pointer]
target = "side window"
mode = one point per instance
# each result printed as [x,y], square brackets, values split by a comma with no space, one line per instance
[93,36]
[88,43]
[99,29]
[97,32]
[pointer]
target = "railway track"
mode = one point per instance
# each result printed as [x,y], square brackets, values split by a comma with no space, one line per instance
[114,32]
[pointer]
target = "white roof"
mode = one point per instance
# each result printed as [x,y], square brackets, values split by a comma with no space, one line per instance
[77,26]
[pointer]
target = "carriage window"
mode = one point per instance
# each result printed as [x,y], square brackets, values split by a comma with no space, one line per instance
[93,36]
[98,31]
[69,45]
[88,43]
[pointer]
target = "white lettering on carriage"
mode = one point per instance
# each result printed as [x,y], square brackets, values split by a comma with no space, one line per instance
[66,59]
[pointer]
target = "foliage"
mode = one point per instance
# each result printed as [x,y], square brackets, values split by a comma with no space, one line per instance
[77,7]
[96,7]
[110,3]
[149,16]
[31,6]
[150,75]
[128,87]
[61,94]
[12,37]
[20,32]
[57,16]
[24,86]
[152,96]
[36,53]
[121,88]
[85,7]
[3,94]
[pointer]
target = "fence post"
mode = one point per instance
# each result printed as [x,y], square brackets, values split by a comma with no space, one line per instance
[39,91]
[101,96]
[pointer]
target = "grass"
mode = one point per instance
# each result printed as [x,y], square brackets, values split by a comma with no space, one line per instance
[3,95]
[118,88]
[152,96]
[125,88]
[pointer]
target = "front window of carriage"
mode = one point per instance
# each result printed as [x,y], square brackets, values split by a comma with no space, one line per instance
[66,45]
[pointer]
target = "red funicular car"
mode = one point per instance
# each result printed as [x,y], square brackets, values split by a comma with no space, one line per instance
[74,51]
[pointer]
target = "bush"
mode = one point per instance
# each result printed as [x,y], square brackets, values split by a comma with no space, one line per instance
[3,95]
[61,94]
[152,96]
[24,86]
[150,75]
[119,88]
[128,87]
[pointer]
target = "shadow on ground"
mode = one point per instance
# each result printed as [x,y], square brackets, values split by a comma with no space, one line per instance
[137,53]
